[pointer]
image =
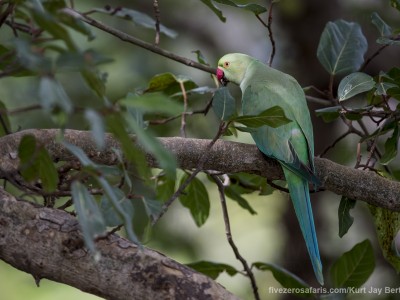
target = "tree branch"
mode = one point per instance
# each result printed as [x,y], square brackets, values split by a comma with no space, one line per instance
[224,156]
[47,243]
[138,42]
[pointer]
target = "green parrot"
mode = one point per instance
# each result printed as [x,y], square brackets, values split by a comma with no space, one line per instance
[292,144]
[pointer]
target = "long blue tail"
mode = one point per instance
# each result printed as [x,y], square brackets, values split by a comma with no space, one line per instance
[298,188]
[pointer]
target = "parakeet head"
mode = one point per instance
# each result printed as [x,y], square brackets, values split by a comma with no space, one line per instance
[232,68]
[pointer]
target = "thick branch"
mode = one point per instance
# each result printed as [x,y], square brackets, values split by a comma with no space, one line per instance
[47,243]
[227,157]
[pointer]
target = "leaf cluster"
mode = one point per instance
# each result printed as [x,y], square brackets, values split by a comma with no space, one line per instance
[44,46]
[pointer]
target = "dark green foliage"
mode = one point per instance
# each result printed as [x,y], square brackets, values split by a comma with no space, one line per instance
[36,163]
[354,267]
[212,269]
[49,50]
[195,198]
[345,219]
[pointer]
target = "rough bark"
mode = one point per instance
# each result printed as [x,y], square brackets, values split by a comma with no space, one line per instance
[47,243]
[224,156]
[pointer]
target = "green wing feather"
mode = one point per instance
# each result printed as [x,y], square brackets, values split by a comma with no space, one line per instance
[291,144]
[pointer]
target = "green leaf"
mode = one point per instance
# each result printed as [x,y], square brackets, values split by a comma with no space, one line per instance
[139,18]
[53,96]
[89,215]
[286,278]
[224,105]
[74,22]
[79,154]
[119,208]
[195,198]
[354,267]
[53,6]
[30,58]
[387,224]
[154,103]
[200,57]
[153,207]
[354,84]
[5,125]
[97,127]
[169,84]
[388,125]
[273,117]
[116,125]
[252,7]
[345,219]
[199,90]
[233,193]
[383,40]
[52,25]
[383,28]
[85,62]
[391,147]
[215,9]
[341,47]
[382,88]
[328,114]
[94,81]
[352,116]
[212,269]
[36,163]
[112,217]
[395,4]
[244,129]
[249,181]
[390,83]
[148,141]
[165,187]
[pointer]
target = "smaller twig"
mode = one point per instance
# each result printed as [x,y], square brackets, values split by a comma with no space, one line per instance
[317,90]
[18,26]
[189,113]
[359,156]
[202,160]
[109,233]
[261,20]
[341,137]
[370,168]
[229,237]
[6,13]
[138,42]
[270,34]
[330,89]
[67,204]
[371,152]
[369,59]
[185,106]
[277,186]
[157,17]
[164,121]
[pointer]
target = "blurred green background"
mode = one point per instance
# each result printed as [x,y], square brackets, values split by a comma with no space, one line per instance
[273,234]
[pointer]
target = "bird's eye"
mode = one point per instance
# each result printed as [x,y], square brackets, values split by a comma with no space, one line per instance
[226,64]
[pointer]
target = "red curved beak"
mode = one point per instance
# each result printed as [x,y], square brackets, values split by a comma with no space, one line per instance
[221,77]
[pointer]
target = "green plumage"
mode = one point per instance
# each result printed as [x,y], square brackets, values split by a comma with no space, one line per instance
[291,144]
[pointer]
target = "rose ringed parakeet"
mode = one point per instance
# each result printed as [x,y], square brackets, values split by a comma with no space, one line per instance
[291,144]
